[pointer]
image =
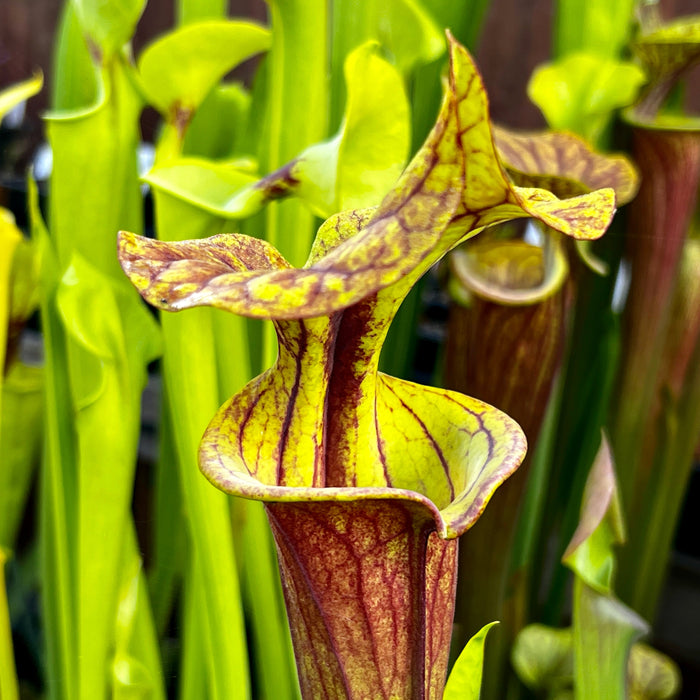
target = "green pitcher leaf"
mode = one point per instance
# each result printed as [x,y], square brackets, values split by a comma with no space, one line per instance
[670,49]
[604,631]
[108,24]
[580,91]
[366,157]
[107,176]
[590,554]
[543,658]
[353,169]
[603,628]
[651,675]
[218,128]
[593,25]
[179,70]
[464,682]
[136,669]
[16,94]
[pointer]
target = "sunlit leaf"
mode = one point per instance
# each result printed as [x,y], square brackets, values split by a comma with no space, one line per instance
[219,188]
[112,339]
[464,682]
[10,238]
[596,26]
[358,166]
[136,668]
[178,70]
[218,128]
[580,92]
[108,24]
[107,177]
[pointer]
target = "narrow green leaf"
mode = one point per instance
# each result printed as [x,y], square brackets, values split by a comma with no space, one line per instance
[166,570]
[297,110]
[179,70]
[16,94]
[58,481]
[10,237]
[192,399]
[464,682]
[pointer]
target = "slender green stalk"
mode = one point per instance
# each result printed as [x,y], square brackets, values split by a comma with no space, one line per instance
[192,390]
[194,681]
[169,531]
[57,486]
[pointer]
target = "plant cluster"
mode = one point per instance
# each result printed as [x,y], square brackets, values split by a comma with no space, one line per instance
[294,223]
